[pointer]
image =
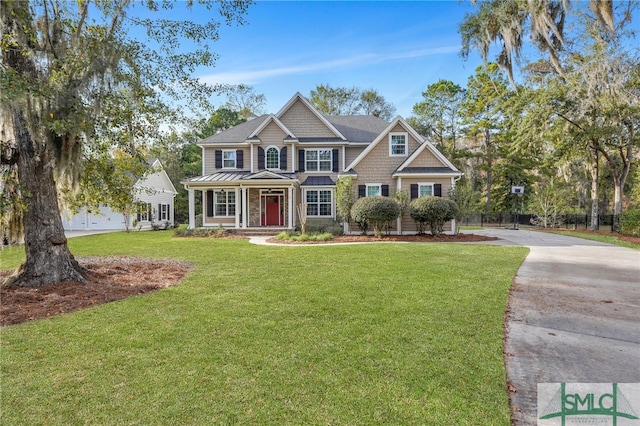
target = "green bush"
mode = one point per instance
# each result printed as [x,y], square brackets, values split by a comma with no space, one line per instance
[630,224]
[309,236]
[433,212]
[375,211]
[324,226]
[202,232]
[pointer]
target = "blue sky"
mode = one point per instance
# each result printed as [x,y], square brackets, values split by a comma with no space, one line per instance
[396,48]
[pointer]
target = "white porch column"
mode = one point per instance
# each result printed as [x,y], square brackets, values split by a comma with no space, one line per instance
[290,205]
[237,193]
[192,208]
[245,208]
[399,220]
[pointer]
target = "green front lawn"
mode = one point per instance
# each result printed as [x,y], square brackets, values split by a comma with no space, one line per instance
[603,237]
[358,334]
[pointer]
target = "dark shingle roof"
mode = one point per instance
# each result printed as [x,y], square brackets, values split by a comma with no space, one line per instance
[358,128]
[238,133]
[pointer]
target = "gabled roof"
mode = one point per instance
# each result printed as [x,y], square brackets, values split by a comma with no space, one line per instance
[383,135]
[268,174]
[156,167]
[272,119]
[236,134]
[426,145]
[298,97]
[357,129]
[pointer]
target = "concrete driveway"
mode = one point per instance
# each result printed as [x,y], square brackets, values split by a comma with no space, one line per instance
[574,316]
[73,234]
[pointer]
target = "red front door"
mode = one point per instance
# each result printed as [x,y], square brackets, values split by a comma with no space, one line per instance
[272,210]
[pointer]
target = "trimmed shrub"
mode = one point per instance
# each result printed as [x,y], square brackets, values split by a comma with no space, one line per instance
[375,212]
[309,236]
[630,224]
[321,226]
[433,212]
[218,232]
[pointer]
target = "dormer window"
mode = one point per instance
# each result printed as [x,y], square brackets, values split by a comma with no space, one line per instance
[273,158]
[398,144]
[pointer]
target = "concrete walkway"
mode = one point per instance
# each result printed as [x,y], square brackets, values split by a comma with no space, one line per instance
[574,316]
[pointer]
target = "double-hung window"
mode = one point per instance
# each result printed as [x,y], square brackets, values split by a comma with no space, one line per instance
[144,210]
[425,189]
[374,190]
[398,144]
[318,160]
[224,203]
[319,202]
[163,214]
[229,159]
[273,158]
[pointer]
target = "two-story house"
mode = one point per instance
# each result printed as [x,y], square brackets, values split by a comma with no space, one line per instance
[255,174]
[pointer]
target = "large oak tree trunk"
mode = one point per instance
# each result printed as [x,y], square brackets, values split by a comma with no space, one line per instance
[48,259]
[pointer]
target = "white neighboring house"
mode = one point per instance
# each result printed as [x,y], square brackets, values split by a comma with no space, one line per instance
[154,189]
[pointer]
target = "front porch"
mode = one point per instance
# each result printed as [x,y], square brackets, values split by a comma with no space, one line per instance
[245,207]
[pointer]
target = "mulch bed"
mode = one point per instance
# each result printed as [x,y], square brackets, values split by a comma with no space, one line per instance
[423,238]
[109,279]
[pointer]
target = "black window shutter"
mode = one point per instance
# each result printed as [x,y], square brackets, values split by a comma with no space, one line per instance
[168,211]
[218,159]
[209,203]
[260,158]
[437,190]
[335,160]
[362,191]
[414,190]
[385,190]
[138,216]
[239,159]
[301,160]
[159,211]
[283,158]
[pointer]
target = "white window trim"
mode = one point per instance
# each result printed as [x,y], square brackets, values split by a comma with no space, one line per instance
[406,144]
[227,204]
[318,160]
[333,199]
[421,184]
[235,159]
[146,213]
[379,185]
[266,157]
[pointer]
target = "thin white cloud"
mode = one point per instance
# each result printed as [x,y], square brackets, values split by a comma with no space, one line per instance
[255,76]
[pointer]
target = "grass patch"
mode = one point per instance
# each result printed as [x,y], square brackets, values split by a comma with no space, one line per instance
[308,236]
[359,334]
[610,238]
